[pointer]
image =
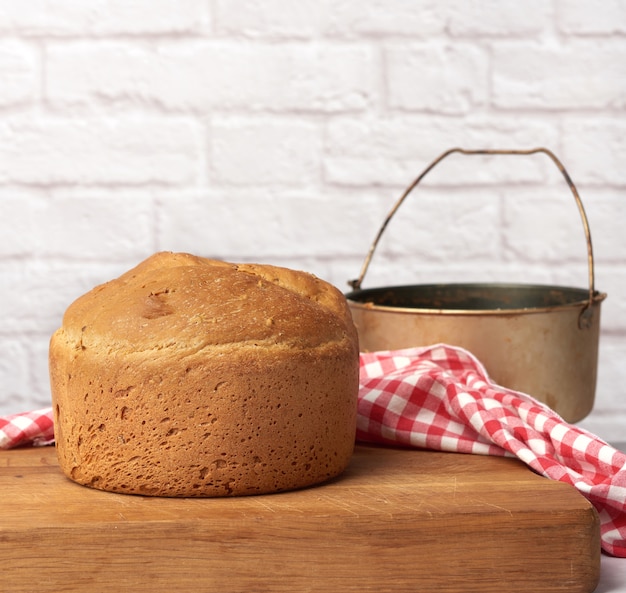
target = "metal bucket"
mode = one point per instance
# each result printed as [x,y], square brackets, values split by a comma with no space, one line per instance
[540,340]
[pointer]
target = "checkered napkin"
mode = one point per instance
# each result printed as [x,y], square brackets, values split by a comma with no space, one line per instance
[441,398]
[31,428]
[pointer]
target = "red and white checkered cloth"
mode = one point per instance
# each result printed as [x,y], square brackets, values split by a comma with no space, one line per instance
[30,428]
[441,398]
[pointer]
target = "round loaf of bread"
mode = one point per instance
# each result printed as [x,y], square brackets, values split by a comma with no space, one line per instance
[188,376]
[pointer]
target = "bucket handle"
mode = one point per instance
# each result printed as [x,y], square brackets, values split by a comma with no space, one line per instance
[586,313]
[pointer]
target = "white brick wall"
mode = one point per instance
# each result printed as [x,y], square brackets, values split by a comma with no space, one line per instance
[283,132]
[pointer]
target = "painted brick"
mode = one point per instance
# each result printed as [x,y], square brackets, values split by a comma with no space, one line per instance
[413,269]
[121,150]
[543,224]
[264,224]
[17,237]
[40,396]
[606,211]
[611,372]
[501,18]
[115,226]
[575,17]
[223,225]
[275,19]
[15,392]
[260,151]
[214,75]
[581,74]
[104,225]
[47,289]
[19,72]
[597,147]
[376,18]
[283,132]
[446,78]
[441,226]
[103,17]
[607,419]
[393,151]
[612,281]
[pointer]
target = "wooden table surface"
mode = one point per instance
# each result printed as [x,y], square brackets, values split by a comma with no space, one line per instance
[396,520]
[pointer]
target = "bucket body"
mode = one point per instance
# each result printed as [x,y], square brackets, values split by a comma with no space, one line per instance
[540,340]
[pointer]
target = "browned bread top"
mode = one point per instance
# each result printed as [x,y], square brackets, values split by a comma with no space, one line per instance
[181,302]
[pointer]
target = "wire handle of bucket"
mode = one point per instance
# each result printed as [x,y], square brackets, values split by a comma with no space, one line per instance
[585,316]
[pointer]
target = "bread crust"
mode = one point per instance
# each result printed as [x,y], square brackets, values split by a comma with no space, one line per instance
[188,376]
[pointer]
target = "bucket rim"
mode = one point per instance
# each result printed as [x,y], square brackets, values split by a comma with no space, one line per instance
[582,303]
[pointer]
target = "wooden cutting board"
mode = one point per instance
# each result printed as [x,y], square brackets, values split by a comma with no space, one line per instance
[397,520]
